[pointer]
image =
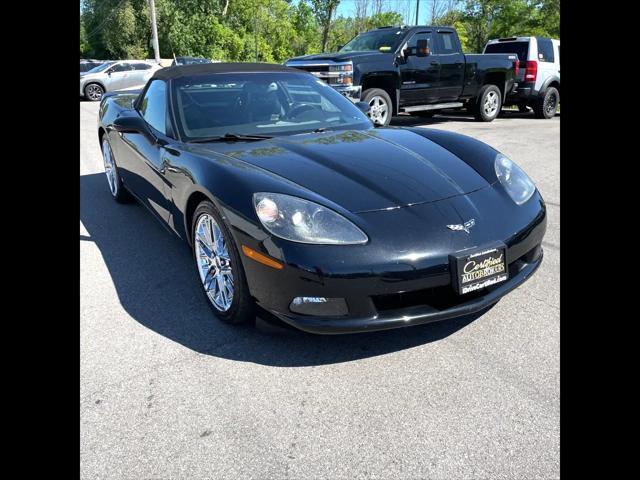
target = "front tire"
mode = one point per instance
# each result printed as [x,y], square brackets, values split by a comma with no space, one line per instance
[381,108]
[546,105]
[219,267]
[93,92]
[116,187]
[488,104]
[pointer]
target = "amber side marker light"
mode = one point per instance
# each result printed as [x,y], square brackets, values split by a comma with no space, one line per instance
[258,257]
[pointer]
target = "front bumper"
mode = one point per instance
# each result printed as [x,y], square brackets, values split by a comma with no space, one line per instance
[398,280]
[416,315]
[352,92]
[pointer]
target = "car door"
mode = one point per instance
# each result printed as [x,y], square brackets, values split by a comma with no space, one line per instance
[451,60]
[117,76]
[139,75]
[142,158]
[418,75]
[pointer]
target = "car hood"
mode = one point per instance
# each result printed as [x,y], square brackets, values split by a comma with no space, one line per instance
[363,170]
[340,57]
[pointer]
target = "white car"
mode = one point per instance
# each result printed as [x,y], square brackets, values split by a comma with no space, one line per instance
[115,76]
[539,72]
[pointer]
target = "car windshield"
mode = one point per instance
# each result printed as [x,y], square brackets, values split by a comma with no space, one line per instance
[280,103]
[100,68]
[383,40]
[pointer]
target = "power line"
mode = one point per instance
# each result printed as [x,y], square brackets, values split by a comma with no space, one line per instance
[104,20]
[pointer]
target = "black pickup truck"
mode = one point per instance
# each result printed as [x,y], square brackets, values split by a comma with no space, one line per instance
[417,70]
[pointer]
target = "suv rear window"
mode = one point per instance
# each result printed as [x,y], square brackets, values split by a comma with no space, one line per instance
[545,50]
[519,48]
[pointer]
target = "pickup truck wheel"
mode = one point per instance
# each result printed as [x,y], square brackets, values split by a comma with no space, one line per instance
[546,105]
[488,103]
[381,106]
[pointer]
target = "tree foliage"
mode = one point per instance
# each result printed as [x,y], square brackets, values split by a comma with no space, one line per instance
[486,19]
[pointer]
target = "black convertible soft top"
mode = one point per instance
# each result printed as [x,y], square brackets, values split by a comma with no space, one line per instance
[203,68]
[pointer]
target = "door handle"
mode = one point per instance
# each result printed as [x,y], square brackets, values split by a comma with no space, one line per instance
[459,62]
[435,63]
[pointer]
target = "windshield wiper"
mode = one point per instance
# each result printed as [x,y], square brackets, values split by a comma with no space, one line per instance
[319,130]
[230,137]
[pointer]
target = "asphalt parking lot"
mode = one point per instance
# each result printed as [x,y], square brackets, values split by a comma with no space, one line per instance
[167,391]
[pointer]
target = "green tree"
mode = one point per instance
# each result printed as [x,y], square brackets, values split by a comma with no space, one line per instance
[486,19]
[117,28]
[84,44]
[307,34]
[324,10]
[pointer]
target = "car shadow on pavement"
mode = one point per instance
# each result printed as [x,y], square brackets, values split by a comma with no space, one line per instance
[406,120]
[157,286]
[453,116]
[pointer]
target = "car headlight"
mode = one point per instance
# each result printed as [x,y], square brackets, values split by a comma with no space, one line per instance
[517,183]
[299,220]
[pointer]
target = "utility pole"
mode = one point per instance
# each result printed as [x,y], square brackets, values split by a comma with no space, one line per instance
[255,30]
[417,10]
[154,31]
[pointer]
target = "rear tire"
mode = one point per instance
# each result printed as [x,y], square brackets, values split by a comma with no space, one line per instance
[381,105]
[546,105]
[488,104]
[240,308]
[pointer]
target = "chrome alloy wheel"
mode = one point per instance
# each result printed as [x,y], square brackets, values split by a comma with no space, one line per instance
[379,110]
[214,263]
[110,168]
[94,92]
[490,104]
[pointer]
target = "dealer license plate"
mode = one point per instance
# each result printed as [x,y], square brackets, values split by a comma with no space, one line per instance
[479,268]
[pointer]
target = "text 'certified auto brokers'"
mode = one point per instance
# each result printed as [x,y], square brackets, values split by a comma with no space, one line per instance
[293,202]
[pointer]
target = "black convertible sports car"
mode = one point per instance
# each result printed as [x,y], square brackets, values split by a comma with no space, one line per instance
[293,202]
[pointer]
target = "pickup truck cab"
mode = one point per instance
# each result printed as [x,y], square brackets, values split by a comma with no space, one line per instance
[539,75]
[417,70]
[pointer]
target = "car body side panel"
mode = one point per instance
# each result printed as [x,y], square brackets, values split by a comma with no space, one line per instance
[484,68]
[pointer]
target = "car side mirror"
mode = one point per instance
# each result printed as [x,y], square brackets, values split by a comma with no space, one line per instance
[136,124]
[130,124]
[422,48]
[364,107]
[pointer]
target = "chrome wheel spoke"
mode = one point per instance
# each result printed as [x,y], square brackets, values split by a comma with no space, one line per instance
[206,250]
[209,279]
[222,289]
